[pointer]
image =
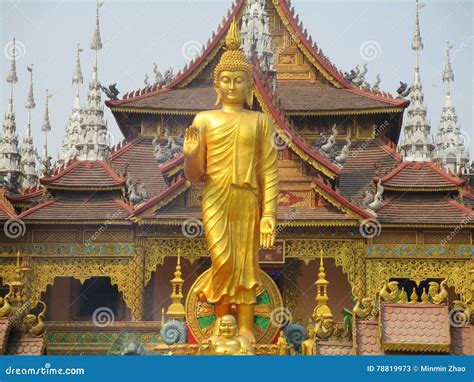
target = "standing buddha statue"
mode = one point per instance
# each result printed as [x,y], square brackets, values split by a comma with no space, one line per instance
[232,150]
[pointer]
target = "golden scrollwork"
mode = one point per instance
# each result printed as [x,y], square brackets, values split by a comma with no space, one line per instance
[455,273]
[347,253]
[122,272]
[157,249]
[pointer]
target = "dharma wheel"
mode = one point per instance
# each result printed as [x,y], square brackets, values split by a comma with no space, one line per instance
[201,317]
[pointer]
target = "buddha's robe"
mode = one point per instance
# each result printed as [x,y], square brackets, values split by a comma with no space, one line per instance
[240,186]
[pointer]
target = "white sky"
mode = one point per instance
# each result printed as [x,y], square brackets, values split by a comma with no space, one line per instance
[137,33]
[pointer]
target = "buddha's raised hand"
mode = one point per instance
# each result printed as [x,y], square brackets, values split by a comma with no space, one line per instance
[192,140]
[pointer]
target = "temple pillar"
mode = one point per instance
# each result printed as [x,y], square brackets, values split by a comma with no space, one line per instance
[134,290]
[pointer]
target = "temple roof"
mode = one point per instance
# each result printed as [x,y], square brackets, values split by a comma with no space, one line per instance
[6,210]
[365,161]
[295,96]
[420,176]
[416,209]
[138,157]
[85,175]
[338,93]
[70,208]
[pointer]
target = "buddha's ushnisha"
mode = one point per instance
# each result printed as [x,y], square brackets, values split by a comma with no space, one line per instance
[231,149]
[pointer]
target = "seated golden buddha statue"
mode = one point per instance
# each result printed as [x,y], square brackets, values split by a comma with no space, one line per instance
[232,150]
[227,341]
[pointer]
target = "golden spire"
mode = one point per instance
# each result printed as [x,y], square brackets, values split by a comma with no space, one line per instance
[232,40]
[322,310]
[176,309]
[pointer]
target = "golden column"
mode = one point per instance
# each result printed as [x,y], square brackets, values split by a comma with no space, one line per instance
[176,309]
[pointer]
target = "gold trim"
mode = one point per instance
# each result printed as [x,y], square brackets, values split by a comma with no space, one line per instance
[146,110]
[153,209]
[174,170]
[422,189]
[306,223]
[380,110]
[80,222]
[73,188]
[416,347]
[424,225]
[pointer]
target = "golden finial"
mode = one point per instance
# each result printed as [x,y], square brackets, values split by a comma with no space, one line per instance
[403,296]
[162,316]
[414,297]
[232,40]
[322,309]
[424,297]
[176,310]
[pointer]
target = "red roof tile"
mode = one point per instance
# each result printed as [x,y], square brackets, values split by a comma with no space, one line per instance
[418,327]
[368,338]
[294,96]
[462,340]
[142,166]
[25,344]
[93,175]
[359,171]
[423,176]
[5,328]
[423,208]
[99,206]
[333,348]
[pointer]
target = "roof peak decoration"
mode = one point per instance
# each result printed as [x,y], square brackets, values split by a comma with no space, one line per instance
[417,143]
[255,32]
[92,140]
[74,126]
[451,151]
[28,152]
[10,167]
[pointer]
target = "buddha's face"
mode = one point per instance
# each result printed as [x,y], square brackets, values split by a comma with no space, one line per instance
[228,327]
[233,87]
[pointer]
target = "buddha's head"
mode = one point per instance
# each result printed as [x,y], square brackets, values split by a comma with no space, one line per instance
[233,79]
[228,327]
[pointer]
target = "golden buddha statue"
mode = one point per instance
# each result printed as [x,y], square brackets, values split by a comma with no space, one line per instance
[231,149]
[308,346]
[227,341]
[282,344]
